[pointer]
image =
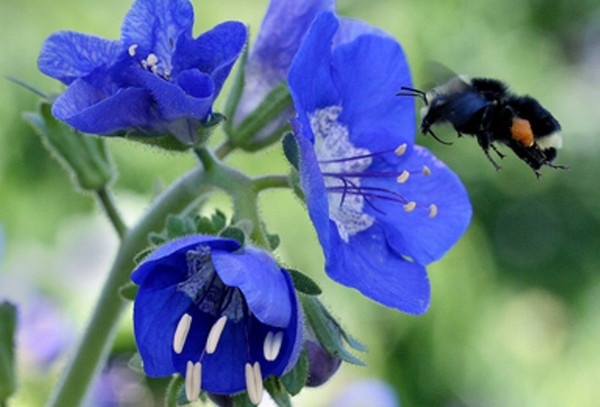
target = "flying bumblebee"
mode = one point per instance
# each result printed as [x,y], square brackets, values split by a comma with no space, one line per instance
[487,110]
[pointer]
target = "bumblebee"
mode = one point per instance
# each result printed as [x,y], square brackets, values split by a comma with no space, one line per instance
[487,110]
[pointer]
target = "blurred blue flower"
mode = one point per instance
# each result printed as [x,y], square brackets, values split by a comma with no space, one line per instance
[367,392]
[382,208]
[224,317]
[156,79]
[283,27]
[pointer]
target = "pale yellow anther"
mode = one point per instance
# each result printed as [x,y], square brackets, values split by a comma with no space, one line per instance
[254,382]
[403,177]
[132,49]
[400,150]
[433,210]
[193,380]
[151,59]
[181,332]
[214,335]
[409,207]
[426,170]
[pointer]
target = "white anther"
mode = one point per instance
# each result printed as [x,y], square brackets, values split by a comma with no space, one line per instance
[254,382]
[132,49]
[403,177]
[426,170]
[151,59]
[400,150]
[215,334]
[433,210]
[272,345]
[193,377]
[409,207]
[181,332]
[154,68]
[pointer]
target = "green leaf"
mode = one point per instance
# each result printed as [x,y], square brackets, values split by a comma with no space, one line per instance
[219,220]
[175,227]
[8,323]
[156,239]
[291,149]
[295,379]
[326,329]
[142,254]
[234,232]
[274,240]
[204,225]
[242,400]
[303,283]
[128,291]
[237,88]
[354,343]
[277,391]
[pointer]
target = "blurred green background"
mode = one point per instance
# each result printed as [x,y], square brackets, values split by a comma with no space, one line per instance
[515,313]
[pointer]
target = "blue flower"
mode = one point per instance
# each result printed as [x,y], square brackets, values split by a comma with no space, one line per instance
[156,79]
[283,27]
[224,317]
[383,208]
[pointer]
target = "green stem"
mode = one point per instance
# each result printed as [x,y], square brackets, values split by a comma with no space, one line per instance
[96,343]
[271,181]
[224,149]
[106,201]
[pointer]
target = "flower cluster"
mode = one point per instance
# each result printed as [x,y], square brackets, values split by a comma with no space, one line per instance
[222,314]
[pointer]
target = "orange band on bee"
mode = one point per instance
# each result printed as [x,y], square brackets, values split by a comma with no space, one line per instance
[521,131]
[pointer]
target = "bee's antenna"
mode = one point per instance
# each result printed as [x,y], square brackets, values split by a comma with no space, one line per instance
[413,92]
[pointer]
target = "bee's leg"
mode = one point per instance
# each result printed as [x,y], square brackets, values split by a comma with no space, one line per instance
[497,151]
[485,143]
[429,131]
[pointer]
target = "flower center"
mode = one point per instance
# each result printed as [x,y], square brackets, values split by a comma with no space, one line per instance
[345,168]
[151,62]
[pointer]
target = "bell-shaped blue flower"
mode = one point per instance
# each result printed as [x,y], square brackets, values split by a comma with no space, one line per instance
[283,27]
[223,316]
[383,209]
[156,79]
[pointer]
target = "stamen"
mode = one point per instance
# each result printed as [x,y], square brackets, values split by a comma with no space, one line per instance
[254,384]
[151,59]
[403,177]
[409,207]
[181,332]
[433,210]
[193,376]
[215,334]
[400,150]
[426,170]
[272,345]
[132,49]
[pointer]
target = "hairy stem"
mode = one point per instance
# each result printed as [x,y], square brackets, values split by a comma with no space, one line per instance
[107,203]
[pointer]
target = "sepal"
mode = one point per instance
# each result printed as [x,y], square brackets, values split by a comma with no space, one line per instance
[84,156]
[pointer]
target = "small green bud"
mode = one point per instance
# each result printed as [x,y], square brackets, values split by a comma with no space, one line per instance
[84,156]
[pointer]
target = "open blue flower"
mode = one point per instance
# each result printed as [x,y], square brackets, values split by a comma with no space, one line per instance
[382,208]
[156,79]
[280,35]
[224,317]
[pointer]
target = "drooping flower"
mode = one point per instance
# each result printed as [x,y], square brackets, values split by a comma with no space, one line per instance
[223,316]
[383,209]
[284,25]
[156,79]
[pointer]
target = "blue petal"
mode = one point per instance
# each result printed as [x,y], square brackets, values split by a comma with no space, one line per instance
[213,52]
[280,35]
[371,266]
[156,314]
[261,281]
[414,234]
[310,79]
[156,25]
[351,28]
[313,184]
[90,110]
[369,71]
[190,97]
[68,55]
[179,246]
